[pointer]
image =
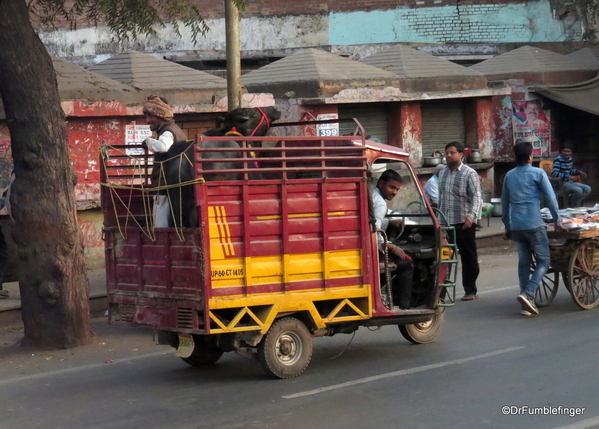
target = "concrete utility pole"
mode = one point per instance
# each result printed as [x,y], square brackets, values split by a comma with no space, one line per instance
[233,55]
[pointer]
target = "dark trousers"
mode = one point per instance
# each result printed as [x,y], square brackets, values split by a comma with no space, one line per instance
[466,242]
[402,283]
[3,257]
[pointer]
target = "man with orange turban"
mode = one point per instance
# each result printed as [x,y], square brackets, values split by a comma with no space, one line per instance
[159,116]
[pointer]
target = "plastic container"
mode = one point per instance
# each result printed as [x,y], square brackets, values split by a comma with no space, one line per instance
[497,209]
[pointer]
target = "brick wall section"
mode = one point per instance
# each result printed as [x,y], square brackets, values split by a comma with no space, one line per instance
[461,24]
[214,9]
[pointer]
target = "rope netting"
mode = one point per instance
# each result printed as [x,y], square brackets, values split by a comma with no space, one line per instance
[138,185]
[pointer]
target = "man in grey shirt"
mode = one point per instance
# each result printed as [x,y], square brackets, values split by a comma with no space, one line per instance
[460,199]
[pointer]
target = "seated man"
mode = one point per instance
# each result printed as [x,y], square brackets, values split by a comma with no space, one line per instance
[563,167]
[386,189]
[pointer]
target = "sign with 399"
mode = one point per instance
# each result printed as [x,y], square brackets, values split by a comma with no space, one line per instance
[328,130]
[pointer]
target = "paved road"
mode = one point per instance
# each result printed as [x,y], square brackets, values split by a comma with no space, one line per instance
[487,357]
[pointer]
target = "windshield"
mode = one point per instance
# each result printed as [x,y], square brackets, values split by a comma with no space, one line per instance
[408,202]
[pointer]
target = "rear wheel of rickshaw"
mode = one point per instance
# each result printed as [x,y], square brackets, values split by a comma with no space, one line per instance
[204,352]
[286,349]
[547,289]
[424,332]
[583,273]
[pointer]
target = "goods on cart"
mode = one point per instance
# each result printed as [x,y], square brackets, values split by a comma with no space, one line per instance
[575,219]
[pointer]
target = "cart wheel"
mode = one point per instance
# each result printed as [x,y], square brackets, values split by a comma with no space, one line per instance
[204,353]
[424,332]
[286,349]
[583,273]
[566,280]
[548,288]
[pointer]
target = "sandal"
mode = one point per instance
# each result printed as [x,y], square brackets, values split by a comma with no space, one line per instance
[3,294]
[469,297]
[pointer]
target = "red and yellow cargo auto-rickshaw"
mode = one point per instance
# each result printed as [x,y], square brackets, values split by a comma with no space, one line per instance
[278,257]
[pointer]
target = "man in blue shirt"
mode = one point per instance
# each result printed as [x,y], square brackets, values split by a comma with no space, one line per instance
[563,167]
[431,187]
[523,187]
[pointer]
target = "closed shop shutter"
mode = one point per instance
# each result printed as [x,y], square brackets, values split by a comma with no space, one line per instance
[442,122]
[372,116]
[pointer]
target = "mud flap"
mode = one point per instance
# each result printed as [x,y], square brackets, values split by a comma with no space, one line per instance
[186,346]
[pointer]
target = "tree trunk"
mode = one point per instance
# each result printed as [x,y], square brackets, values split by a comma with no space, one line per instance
[52,276]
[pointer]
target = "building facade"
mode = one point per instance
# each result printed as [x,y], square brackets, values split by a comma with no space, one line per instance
[355,27]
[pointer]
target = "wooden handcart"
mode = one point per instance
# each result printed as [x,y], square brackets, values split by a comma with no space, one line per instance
[574,254]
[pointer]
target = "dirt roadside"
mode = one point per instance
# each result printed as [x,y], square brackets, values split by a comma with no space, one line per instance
[110,344]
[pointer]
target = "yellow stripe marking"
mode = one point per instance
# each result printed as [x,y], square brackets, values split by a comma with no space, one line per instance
[221,244]
[229,248]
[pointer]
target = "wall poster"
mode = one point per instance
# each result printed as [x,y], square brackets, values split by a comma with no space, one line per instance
[532,124]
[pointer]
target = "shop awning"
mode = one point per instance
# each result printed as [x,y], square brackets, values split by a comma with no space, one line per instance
[582,96]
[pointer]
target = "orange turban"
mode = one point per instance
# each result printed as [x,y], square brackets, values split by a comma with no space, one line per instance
[155,106]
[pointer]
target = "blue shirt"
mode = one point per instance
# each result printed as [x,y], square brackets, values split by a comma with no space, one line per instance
[523,187]
[431,189]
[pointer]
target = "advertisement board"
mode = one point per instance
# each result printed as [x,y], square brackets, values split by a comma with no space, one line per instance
[532,124]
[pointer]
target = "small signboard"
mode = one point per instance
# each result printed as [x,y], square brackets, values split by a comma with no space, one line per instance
[134,135]
[328,130]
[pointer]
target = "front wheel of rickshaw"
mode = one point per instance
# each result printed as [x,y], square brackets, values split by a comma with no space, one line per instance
[286,349]
[547,289]
[424,332]
[583,273]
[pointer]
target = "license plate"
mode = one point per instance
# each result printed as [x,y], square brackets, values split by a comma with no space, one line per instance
[186,346]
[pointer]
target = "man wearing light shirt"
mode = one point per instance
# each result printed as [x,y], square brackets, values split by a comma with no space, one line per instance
[386,189]
[159,116]
[523,187]
[431,187]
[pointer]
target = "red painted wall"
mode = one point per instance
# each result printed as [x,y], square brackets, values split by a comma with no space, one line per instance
[86,135]
[411,130]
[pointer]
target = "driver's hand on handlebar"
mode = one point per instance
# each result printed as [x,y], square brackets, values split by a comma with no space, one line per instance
[397,223]
[397,251]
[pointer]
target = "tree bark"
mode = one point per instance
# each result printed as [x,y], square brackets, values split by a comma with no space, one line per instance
[52,276]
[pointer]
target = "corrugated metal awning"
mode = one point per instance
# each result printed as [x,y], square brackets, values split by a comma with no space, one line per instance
[582,96]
